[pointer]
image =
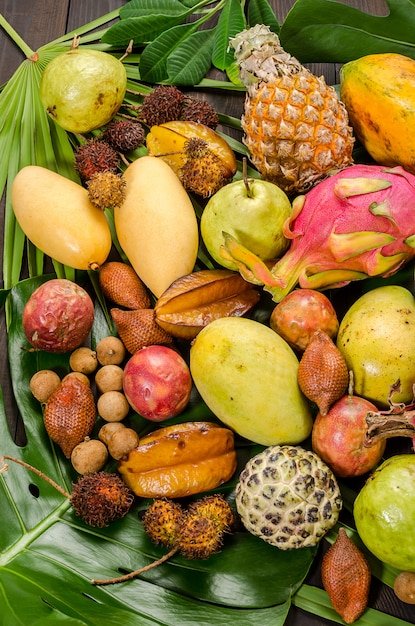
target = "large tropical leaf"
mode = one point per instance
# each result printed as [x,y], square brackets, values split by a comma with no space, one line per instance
[329,31]
[49,556]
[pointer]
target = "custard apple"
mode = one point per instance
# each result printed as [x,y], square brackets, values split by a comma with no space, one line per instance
[288,497]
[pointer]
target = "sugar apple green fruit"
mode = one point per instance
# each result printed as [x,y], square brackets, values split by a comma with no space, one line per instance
[384,512]
[288,497]
[82,89]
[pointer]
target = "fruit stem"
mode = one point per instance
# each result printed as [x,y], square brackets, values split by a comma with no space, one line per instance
[4,467]
[245,177]
[384,425]
[146,568]
[28,52]
[128,50]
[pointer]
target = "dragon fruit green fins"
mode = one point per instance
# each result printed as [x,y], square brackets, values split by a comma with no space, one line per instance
[357,223]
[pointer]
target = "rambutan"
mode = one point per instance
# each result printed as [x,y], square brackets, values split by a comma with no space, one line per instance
[106,190]
[203,172]
[124,135]
[161,521]
[163,104]
[101,498]
[95,156]
[201,111]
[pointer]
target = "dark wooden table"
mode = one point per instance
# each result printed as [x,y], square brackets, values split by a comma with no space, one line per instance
[40,21]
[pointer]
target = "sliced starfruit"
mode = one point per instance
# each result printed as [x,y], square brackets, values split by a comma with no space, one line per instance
[168,140]
[180,460]
[196,299]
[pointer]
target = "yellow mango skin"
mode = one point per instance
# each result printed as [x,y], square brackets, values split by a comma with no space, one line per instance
[247,375]
[57,216]
[379,95]
[156,224]
[377,339]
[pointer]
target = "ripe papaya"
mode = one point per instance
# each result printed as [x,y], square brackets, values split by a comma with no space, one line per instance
[378,92]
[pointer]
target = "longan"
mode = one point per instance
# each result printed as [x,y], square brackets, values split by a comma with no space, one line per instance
[107,430]
[404,587]
[110,351]
[109,378]
[43,384]
[122,442]
[83,360]
[113,406]
[89,456]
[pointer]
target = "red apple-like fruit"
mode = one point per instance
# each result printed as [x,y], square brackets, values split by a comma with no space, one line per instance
[300,314]
[58,316]
[157,382]
[338,438]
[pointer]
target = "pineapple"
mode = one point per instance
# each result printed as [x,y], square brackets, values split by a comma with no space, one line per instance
[295,127]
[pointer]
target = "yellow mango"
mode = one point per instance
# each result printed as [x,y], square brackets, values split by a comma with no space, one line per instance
[156,224]
[378,92]
[57,216]
[247,376]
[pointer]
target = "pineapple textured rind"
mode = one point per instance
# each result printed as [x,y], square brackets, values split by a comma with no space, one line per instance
[295,127]
[288,497]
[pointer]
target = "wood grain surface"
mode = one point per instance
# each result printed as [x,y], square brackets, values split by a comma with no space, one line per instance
[40,21]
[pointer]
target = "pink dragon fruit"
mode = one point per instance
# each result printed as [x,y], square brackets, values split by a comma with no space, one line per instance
[357,223]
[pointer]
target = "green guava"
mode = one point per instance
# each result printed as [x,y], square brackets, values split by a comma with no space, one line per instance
[384,512]
[254,214]
[83,89]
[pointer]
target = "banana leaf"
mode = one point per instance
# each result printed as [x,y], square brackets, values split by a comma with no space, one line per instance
[49,556]
[332,32]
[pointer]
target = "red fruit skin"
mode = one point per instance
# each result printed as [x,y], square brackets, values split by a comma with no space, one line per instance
[300,314]
[58,316]
[338,438]
[157,383]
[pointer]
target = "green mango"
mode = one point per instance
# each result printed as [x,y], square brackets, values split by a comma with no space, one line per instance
[377,339]
[384,512]
[247,375]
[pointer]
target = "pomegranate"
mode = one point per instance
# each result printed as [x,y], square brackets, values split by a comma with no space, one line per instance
[300,314]
[339,438]
[58,316]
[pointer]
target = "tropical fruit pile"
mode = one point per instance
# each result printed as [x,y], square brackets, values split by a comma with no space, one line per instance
[212,281]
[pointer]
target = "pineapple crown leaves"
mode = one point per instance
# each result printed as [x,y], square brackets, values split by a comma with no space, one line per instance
[260,56]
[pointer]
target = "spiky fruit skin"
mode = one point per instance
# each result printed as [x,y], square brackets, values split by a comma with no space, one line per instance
[124,135]
[69,414]
[295,126]
[163,104]
[288,497]
[161,521]
[198,537]
[101,498]
[95,156]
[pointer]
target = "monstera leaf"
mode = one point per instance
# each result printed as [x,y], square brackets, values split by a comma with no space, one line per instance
[49,556]
[326,31]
